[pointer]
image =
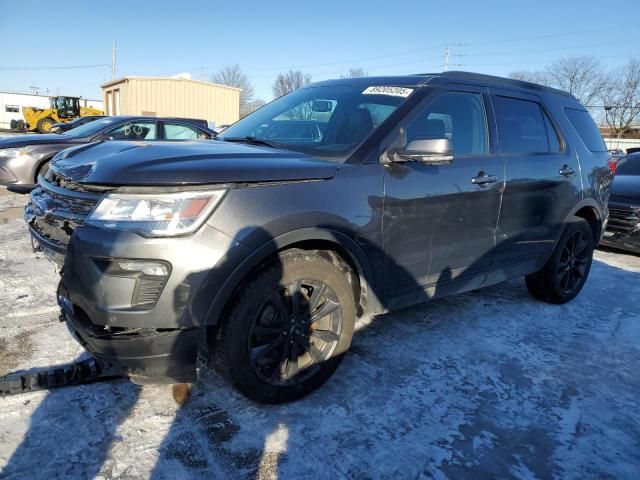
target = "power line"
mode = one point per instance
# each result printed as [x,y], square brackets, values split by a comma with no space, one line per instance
[418,50]
[66,67]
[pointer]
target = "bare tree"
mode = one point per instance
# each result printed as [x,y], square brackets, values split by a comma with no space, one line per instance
[530,76]
[583,77]
[290,81]
[354,73]
[233,76]
[621,98]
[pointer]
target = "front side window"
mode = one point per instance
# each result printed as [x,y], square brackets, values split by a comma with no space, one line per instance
[174,131]
[134,131]
[11,108]
[324,121]
[523,127]
[458,116]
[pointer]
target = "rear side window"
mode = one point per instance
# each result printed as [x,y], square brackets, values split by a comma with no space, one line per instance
[524,127]
[586,128]
[174,131]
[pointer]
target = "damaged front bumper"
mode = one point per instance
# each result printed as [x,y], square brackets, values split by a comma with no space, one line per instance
[145,355]
[623,229]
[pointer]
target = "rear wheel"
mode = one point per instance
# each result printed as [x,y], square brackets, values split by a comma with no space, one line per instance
[566,272]
[44,124]
[287,328]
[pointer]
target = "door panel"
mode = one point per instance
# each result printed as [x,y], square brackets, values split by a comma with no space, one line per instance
[541,187]
[439,223]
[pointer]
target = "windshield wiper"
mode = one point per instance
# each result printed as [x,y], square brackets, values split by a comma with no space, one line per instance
[255,141]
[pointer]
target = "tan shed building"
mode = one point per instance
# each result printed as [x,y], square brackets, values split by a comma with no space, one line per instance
[172,97]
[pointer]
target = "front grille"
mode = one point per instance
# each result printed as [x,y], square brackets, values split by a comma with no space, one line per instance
[623,220]
[56,211]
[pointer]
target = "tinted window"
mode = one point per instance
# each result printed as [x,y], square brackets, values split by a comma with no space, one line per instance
[586,128]
[629,165]
[134,131]
[523,127]
[457,116]
[174,131]
[552,134]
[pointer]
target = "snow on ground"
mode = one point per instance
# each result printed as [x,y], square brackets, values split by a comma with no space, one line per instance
[490,384]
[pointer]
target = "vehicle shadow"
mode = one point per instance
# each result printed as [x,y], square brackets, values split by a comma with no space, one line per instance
[404,392]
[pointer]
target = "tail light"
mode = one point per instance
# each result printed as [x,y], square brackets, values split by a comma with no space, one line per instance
[613,165]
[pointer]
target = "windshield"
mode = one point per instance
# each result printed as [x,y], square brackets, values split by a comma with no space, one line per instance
[91,128]
[326,121]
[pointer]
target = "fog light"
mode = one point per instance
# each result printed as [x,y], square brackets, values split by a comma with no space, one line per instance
[153,269]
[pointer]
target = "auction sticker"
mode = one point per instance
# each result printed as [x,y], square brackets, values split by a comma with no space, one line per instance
[393,91]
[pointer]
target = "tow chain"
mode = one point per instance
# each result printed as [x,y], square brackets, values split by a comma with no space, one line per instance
[77,373]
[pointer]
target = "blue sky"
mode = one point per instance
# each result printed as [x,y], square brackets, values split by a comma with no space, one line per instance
[324,38]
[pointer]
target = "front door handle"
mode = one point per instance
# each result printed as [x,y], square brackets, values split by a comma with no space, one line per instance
[566,171]
[483,179]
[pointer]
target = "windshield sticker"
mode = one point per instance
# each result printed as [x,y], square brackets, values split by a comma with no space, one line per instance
[393,91]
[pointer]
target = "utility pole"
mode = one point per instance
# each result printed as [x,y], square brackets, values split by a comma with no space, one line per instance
[113,61]
[446,59]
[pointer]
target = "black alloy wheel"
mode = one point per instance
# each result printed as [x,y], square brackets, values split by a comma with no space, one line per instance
[574,261]
[296,329]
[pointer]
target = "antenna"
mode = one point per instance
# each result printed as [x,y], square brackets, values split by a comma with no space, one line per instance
[113,61]
[446,59]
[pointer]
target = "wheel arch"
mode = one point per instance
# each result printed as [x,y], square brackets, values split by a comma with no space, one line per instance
[313,238]
[592,213]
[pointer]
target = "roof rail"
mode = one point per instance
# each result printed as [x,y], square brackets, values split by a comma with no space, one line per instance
[510,82]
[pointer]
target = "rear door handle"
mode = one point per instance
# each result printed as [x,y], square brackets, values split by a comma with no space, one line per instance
[566,171]
[483,179]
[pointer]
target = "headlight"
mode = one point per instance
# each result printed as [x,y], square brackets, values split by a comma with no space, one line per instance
[154,215]
[16,152]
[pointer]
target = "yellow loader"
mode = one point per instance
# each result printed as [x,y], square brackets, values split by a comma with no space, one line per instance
[61,109]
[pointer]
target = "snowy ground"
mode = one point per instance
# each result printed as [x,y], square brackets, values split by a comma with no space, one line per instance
[490,384]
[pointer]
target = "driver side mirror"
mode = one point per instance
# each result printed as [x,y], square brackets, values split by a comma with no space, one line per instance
[432,151]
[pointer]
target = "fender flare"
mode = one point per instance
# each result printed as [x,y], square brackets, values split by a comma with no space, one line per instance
[591,203]
[356,256]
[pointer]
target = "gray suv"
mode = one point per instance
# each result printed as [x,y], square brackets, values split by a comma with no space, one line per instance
[257,252]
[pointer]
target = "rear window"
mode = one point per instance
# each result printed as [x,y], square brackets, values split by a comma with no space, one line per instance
[629,165]
[523,127]
[586,128]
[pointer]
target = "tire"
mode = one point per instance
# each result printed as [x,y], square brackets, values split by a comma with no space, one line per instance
[273,355]
[566,272]
[13,124]
[44,125]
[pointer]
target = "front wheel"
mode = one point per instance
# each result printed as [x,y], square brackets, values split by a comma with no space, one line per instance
[566,272]
[44,125]
[287,328]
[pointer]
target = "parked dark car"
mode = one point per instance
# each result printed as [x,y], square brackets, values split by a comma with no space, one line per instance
[65,126]
[623,229]
[24,157]
[258,255]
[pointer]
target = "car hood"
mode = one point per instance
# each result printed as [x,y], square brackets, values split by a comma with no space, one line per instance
[24,140]
[627,186]
[183,163]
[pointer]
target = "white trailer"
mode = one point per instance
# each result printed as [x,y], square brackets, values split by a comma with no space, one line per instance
[11,104]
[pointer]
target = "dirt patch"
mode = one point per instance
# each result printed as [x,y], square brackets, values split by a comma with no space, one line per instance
[9,214]
[14,350]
